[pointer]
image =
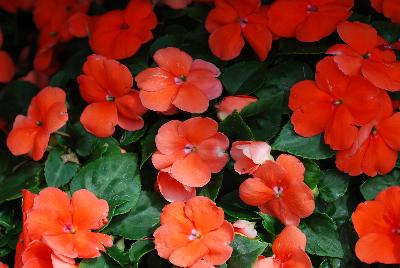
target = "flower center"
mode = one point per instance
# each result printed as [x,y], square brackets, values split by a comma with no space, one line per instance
[367,56]
[396,231]
[179,80]
[53,34]
[69,228]
[68,9]
[374,131]
[243,22]
[278,190]
[110,97]
[337,102]
[39,123]
[189,148]
[312,8]
[124,26]
[195,234]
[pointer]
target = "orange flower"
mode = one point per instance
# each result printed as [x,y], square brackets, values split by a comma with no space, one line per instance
[377,224]
[107,86]
[366,53]
[118,34]
[389,8]
[249,155]
[289,251]
[65,224]
[278,189]
[230,20]
[179,81]
[231,103]
[2,265]
[307,20]
[245,228]
[376,147]
[194,233]
[172,190]
[37,254]
[7,66]
[13,6]
[39,79]
[46,114]
[191,150]
[342,103]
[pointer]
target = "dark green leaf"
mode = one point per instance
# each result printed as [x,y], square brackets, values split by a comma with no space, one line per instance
[237,74]
[83,142]
[100,262]
[60,79]
[114,178]
[132,136]
[56,171]
[322,236]
[333,185]
[211,190]
[245,252]
[271,224]
[234,207]
[389,31]
[139,249]
[142,220]
[117,255]
[163,42]
[312,174]
[371,187]
[235,128]
[148,143]
[294,47]
[310,148]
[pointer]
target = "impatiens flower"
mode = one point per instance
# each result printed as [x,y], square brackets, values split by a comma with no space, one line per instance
[46,114]
[231,103]
[249,155]
[118,34]
[39,79]
[13,6]
[307,20]
[289,251]
[334,103]
[38,254]
[107,86]
[65,225]
[232,21]
[389,8]
[172,190]
[7,66]
[191,150]
[245,228]
[180,4]
[377,224]
[178,81]
[377,145]
[2,265]
[366,53]
[278,189]
[194,233]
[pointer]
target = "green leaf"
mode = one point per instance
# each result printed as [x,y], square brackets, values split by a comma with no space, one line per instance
[198,12]
[310,148]
[60,79]
[114,178]
[142,220]
[163,42]
[211,190]
[312,174]
[105,147]
[294,47]
[235,208]
[270,224]
[234,76]
[389,31]
[322,236]
[117,255]
[333,185]
[83,142]
[330,263]
[23,178]
[148,143]
[56,171]
[139,249]
[100,262]
[245,252]
[264,116]
[235,128]
[132,136]
[371,187]
[255,81]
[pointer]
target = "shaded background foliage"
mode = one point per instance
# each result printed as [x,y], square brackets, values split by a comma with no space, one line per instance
[79,160]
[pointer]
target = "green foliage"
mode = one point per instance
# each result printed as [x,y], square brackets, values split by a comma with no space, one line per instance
[245,252]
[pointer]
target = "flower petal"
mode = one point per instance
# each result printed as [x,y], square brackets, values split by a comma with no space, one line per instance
[100,118]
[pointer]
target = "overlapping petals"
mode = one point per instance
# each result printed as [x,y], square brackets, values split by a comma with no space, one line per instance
[249,155]
[278,189]
[389,8]
[231,103]
[194,234]
[7,65]
[46,114]
[178,81]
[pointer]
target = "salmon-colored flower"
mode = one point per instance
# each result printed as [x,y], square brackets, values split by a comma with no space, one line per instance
[342,103]
[7,66]
[377,145]
[38,254]
[194,233]
[377,224]
[278,189]
[118,34]
[65,224]
[178,81]
[307,20]
[107,86]
[172,190]
[289,251]
[46,114]
[231,103]
[366,53]
[249,155]
[231,20]
[2,265]
[191,150]
[245,228]
[389,8]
